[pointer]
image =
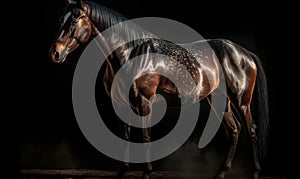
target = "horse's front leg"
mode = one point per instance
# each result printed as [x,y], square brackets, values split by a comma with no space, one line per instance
[125,133]
[143,90]
[146,141]
[145,110]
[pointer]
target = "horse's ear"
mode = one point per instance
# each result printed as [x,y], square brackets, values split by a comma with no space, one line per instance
[71,1]
[79,3]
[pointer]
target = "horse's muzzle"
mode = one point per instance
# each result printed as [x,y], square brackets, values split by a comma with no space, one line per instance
[54,55]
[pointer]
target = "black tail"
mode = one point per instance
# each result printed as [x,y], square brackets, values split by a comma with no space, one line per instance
[260,108]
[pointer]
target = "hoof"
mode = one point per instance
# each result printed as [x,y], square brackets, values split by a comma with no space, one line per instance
[122,172]
[256,175]
[147,171]
[220,175]
[119,175]
[146,176]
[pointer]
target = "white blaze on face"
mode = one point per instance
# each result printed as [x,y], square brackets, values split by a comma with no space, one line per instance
[66,17]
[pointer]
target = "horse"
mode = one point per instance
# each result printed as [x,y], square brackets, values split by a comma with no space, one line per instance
[246,84]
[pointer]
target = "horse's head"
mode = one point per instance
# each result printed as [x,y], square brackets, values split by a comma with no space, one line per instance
[76,29]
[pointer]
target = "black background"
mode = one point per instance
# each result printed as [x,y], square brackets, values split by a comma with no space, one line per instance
[47,132]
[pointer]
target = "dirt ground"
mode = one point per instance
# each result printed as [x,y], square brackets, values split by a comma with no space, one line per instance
[100,174]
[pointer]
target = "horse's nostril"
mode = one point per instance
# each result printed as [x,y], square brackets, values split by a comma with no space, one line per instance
[56,55]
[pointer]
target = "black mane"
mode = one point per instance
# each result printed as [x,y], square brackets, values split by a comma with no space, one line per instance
[103,18]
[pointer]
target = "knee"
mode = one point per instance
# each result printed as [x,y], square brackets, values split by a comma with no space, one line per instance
[253,131]
[238,127]
[125,136]
[146,138]
[235,135]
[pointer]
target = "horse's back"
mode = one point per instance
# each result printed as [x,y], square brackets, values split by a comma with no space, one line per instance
[206,61]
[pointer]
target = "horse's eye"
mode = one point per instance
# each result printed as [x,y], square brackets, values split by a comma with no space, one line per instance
[74,22]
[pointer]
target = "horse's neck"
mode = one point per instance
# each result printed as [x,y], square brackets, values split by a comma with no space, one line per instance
[116,30]
[119,40]
[121,52]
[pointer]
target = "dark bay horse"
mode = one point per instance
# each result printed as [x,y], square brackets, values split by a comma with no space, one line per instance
[246,87]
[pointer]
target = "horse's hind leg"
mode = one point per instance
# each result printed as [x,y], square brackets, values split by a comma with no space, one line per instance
[251,129]
[233,129]
[242,107]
